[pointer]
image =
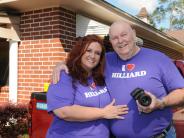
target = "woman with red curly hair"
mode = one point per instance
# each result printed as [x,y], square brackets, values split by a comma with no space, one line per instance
[80,101]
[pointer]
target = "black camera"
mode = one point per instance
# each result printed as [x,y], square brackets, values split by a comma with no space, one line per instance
[141,96]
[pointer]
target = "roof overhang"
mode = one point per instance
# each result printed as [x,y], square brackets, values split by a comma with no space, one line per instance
[9,27]
[102,12]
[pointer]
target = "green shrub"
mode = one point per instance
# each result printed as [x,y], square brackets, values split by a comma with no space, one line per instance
[13,120]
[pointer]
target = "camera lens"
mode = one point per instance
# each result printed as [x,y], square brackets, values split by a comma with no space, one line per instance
[145,100]
[141,96]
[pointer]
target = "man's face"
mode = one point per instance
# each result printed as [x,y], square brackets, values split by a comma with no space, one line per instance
[122,38]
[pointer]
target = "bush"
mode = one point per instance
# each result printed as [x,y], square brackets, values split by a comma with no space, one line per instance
[13,120]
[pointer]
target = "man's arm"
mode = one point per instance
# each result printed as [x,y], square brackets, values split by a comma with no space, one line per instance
[174,98]
[56,71]
[82,113]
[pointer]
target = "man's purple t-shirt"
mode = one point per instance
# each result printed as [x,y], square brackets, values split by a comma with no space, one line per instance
[64,94]
[150,70]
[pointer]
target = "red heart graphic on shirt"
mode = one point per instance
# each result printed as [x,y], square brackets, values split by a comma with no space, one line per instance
[130,67]
[93,85]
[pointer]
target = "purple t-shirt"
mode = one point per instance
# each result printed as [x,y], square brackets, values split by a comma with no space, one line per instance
[150,70]
[64,94]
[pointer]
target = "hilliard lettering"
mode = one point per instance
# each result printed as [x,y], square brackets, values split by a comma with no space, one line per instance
[129,74]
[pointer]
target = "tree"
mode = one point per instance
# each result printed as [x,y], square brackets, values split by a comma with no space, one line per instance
[171,10]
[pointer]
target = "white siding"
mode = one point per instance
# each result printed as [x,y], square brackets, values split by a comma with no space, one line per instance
[85,26]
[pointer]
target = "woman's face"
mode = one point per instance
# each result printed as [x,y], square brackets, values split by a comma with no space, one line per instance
[91,57]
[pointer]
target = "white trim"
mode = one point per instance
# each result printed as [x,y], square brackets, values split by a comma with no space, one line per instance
[10,33]
[13,71]
[6,1]
[9,19]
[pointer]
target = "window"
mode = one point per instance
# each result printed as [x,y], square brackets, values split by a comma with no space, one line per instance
[4,62]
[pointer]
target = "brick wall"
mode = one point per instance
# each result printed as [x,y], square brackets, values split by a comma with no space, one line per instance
[47,35]
[168,51]
[4,94]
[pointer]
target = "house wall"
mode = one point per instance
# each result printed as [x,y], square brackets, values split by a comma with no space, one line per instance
[47,35]
[85,26]
[168,51]
[4,93]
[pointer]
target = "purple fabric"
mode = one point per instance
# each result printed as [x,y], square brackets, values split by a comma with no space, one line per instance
[63,94]
[150,70]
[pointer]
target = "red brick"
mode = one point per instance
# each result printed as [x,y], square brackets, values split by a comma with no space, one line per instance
[51,34]
[44,41]
[38,11]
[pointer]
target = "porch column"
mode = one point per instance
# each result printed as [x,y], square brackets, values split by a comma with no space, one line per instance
[13,71]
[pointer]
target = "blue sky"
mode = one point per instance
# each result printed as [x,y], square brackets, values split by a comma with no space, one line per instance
[133,6]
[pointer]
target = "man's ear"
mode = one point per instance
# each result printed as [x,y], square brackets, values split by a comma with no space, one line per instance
[110,40]
[134,34]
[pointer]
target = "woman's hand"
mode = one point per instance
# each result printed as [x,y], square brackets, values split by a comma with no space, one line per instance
[112,111]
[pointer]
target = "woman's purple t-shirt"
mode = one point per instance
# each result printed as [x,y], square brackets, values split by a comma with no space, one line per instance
[64,94]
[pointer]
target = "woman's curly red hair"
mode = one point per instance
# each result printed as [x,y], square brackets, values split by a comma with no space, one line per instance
[77,72]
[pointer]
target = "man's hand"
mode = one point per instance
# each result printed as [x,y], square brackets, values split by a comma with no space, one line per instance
[56,71]
[155,104]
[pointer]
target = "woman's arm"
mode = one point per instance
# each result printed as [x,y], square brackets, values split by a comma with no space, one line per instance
[82,113]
